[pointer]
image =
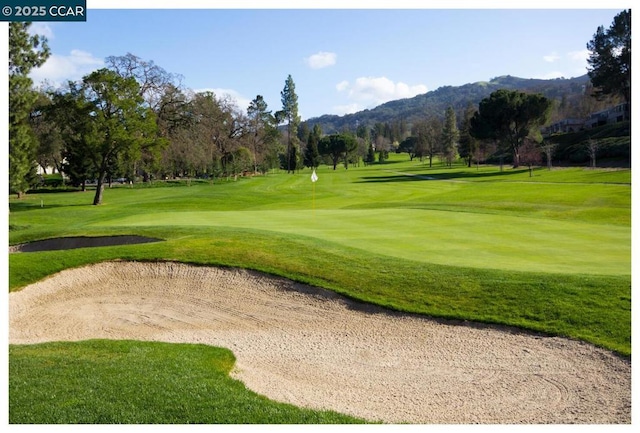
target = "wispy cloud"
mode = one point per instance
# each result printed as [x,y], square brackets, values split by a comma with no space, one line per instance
[321,60]
[368,92]
[579,56]
[551,57]
[60,69]
[347,109]
[342,86]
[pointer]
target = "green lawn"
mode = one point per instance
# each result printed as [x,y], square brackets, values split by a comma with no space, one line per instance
[549,253]
[132,382]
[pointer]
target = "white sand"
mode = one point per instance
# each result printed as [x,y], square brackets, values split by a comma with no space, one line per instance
[310,347]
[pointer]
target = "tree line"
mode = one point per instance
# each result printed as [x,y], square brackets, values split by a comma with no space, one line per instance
[134,120]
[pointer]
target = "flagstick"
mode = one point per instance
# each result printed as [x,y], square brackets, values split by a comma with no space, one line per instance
[314,178]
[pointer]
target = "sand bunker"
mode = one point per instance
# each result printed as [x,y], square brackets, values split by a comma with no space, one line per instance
[310,347]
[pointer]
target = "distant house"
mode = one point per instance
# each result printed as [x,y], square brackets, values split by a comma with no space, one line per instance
[616,114]
[564,126]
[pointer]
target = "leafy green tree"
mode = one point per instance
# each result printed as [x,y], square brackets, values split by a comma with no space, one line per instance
[303,133]
[429,134]
[468,145]
[289,113]
[410,145]
[25,53]
[510,117]
[47,132]
[383,155]
[175,119]
[72,114]
[450,135]
[371,155]
[111,122]
[312,154]
[261,125]
[363,131]
[337,147]
[610,58]
[158,88]
[219,129]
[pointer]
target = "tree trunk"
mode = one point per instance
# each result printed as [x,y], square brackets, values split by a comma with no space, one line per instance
[99,190]
[516,158]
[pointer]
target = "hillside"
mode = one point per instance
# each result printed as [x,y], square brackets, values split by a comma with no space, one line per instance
[434,103]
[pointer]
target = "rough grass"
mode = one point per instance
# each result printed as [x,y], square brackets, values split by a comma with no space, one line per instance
[132,382]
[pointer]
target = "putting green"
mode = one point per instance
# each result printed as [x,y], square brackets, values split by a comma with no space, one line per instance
[442,237]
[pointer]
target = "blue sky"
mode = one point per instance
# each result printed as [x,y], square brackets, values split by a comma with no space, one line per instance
[341,60]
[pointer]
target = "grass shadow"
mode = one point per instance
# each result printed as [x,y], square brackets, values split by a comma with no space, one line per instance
[453,175]
[27,206]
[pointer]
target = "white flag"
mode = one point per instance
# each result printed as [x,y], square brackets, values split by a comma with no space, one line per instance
[314,176]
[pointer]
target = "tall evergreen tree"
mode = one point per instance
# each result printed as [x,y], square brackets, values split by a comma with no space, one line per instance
[450,135]
[371,155]
[25,53]
[311,154]
[290,114]
[610,58]
[468,143]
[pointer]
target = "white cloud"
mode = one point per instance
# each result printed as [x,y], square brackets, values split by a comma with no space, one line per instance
[342,85]
[321,60]
[341,110]
[579,56]
[59,69]
[373,91]
[551,57]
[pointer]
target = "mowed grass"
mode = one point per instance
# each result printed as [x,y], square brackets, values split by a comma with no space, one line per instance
[548,253]
[133,382]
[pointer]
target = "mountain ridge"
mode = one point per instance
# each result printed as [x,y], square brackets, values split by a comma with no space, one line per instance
[435,102]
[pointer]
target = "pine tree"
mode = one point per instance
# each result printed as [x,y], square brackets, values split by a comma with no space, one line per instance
[25,53]
[610,58]
[290,114]
[450,135]
[468,143]
[371,155]
[311,154]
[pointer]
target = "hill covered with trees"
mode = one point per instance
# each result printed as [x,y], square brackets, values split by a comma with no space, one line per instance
[572,97]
